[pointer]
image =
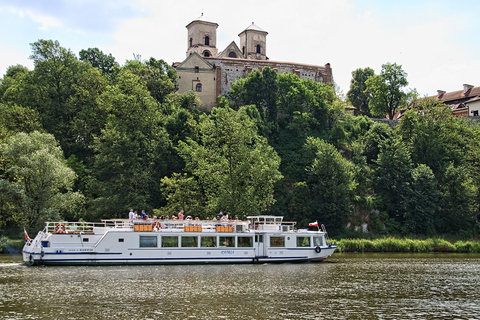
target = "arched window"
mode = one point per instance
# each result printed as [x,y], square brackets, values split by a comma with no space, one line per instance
[198,88]
[207,40]
[232,55]
[206,53]
[258,48]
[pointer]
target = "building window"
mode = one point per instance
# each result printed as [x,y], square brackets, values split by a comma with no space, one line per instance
[475,113]
[258,48]
[197,69]
[191,42]
[198,87]
[207,40]
[232,55]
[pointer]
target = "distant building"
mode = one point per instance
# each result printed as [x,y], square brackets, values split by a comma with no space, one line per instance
[464,102]
[211,73]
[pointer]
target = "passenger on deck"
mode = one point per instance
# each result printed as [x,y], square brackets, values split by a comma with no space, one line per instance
[131,214]
[135,215]
[166,218]
[180,215]
[162,217]
[143,215]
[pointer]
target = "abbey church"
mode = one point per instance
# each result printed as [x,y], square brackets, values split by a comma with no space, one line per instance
[210,72]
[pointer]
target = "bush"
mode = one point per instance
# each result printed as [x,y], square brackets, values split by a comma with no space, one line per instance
[406,245]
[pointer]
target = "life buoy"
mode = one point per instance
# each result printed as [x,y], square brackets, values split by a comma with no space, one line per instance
[60,228]
[318,249]
[156,225]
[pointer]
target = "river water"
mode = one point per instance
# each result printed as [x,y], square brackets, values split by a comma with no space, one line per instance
[348,286]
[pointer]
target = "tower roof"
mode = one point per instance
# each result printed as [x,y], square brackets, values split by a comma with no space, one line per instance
[202,18]
[253,27]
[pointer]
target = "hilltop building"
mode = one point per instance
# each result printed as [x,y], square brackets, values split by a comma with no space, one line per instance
[210,73]
[464,102]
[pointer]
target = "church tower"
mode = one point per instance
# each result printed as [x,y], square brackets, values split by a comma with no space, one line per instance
[253,42]
[202,37]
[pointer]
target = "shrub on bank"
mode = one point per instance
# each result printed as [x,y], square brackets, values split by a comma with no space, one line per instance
[406,245]
[10,246]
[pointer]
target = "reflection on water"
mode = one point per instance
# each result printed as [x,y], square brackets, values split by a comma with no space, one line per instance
[349,286]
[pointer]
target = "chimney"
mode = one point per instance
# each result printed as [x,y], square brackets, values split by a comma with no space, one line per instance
[440,94]
[466,89]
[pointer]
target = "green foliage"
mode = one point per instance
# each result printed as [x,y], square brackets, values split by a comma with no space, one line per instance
[133,151]
[183,193]
[330,179]
[406,245]
[393,181]
[103,62]
[36,183]
[233,164]
[357,94]
[386,91]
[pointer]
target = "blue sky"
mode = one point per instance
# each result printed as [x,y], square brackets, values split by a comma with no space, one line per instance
[436,42]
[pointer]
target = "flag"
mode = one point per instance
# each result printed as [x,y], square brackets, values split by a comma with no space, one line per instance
[313,224]
[27,238]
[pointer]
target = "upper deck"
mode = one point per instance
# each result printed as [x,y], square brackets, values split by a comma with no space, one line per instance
[263,222]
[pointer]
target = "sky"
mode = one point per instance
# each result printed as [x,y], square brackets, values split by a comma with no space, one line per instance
[435,41]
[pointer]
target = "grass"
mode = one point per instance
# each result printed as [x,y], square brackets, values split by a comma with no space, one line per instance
[406,245]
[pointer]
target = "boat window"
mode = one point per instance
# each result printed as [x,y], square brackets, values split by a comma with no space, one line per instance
[85,239]
[245,242]
[120,240]
[317,241]
[259,238]
[169,242]
[148,241]
[227,242]
[277,241]
[189,242]
[208,242]
[303,241]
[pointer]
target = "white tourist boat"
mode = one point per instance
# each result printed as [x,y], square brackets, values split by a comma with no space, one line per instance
[258,239]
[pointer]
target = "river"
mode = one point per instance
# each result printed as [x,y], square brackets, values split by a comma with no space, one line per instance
[348,286]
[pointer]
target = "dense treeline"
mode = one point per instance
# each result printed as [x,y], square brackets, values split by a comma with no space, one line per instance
[87,138]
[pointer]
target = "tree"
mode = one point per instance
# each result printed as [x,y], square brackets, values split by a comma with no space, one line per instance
[331,183]
[132,152]
[357,94]
[158,77]
[235,166]
[393,182]
[183,193]
[103,62]
[36,183]
[386,91]
[422,203]
[259,89]
[459,202]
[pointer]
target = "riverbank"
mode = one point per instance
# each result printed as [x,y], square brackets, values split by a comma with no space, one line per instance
[406,245]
